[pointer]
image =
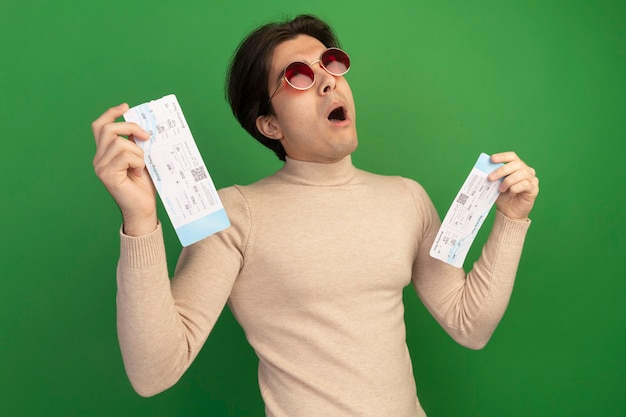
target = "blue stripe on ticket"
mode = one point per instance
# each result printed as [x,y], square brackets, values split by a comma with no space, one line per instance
[203,227]
[485,165]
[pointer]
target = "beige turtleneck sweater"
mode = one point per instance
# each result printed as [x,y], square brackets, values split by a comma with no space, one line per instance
[313,268]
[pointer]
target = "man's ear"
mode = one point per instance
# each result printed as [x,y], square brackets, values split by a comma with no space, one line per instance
[268,126]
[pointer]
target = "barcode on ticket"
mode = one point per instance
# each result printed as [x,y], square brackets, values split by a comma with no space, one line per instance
[462,199]
[198,174]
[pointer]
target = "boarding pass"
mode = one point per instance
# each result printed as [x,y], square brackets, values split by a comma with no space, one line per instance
[178,171]
[467,213]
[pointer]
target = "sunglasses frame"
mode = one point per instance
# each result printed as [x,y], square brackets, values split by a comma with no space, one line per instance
[284,77]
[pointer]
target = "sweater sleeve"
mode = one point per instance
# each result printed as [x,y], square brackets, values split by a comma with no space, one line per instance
[163,323]
[470,305]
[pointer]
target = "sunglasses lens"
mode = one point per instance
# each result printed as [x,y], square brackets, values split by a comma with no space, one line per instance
[336,61]
[299,75]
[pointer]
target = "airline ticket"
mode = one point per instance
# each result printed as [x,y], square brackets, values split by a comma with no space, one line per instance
[466,214]
[178,171]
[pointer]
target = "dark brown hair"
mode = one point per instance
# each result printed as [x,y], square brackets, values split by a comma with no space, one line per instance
[247,77]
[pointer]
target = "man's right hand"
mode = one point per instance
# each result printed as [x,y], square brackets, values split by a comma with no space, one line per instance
[119,164]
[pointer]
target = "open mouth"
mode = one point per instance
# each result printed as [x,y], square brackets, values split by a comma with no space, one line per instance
[337,115]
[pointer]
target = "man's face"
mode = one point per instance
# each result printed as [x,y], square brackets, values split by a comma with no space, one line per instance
[318,124]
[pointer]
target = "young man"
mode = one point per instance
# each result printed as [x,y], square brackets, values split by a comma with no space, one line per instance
[314,264]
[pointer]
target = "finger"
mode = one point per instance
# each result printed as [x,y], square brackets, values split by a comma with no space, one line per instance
[116,171]
[504,157]
[105,126]
[507,169]
[522,181]
[112,131]
[107,117]
[115,151]
[119,145]
[525,189]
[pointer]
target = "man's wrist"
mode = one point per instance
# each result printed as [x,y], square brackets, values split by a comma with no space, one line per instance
[514,218]
[137,227]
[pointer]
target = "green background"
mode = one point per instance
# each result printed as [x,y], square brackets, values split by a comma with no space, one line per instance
[435,82]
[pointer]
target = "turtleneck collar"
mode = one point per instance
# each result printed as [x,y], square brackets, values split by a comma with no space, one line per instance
[315,173]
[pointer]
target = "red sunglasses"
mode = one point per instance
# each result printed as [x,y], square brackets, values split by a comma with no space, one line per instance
[301,76]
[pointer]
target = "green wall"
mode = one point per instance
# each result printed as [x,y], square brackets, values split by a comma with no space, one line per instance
[436,83]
